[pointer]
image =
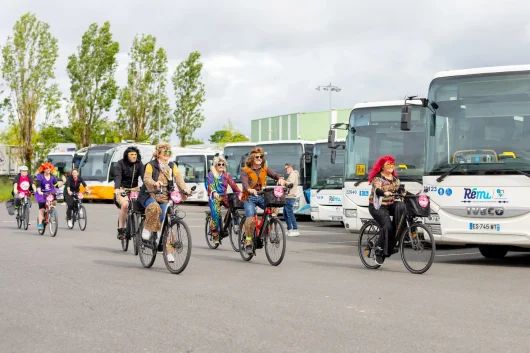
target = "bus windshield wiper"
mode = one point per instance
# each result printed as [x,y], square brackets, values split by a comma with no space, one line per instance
[361,180]
[325,185]
[442,177]
[509,170]
[411,179]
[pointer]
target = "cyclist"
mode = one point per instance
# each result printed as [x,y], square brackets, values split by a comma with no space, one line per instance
[382,205]
[23,183]
[46,182]
[73,183]
[253,179]
[127,174]
[159,173]
[216,184]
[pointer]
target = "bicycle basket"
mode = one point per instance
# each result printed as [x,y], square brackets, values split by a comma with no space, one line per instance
[418,205]
[234,202]
[271,200]
[10,205]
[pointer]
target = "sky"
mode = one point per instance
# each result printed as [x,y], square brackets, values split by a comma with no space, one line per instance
[265,58]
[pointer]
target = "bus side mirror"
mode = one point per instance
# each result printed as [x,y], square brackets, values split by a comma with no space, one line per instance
[112,173]
[406,118]
[331,138]
[333,156]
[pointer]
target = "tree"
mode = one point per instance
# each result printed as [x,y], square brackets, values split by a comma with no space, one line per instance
[139,101]
[189,93]
[28,63]
[194,141]
[93,88]
[227,135]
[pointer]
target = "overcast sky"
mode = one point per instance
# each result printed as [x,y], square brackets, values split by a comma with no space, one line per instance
[266,58]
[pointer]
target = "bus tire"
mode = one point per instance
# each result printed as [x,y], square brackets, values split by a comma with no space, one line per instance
[493,251]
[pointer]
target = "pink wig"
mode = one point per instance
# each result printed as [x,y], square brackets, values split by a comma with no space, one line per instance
[378,167]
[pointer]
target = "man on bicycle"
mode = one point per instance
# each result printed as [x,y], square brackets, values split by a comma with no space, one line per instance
[127,174]
[253,179]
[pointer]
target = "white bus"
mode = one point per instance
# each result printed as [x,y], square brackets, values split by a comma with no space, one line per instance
[373,132]
[97,167]
[477,161]
[299,153]
[327,178]
[194,165]
[236,154]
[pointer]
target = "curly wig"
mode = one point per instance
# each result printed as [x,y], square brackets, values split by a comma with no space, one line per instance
[46,165]
[378,167]
[250,159]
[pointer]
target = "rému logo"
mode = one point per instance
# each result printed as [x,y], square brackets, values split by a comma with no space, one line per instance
[476,194]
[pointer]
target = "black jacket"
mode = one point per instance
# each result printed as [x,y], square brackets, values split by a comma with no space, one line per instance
[127,174]
[74,187]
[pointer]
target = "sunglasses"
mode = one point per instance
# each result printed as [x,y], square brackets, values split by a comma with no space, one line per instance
[389,165]
[133,154]
[168,153]
[258,157]
[220,164]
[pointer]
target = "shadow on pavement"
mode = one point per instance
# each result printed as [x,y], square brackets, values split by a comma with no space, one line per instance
[101,248]
[511,260]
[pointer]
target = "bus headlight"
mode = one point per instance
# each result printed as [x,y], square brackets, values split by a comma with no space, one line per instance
[314,209]
[432,219]
[350,213]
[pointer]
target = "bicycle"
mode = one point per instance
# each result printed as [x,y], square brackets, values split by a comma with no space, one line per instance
[414,237]
[266,231]
[132,221]
[23,211]
[50,216]
[172,227]
[230,226]
[79,212]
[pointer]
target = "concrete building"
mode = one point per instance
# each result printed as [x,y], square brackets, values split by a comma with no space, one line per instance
[298,126]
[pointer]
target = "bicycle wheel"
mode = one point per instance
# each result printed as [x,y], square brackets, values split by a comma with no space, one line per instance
[208,234]
[53,223]
[134,230]
[125,240]
[417,247]
[177,244]
[19,217]
[241,241]
[82,218]
[25,221]
[146,249]
[275,242]
[369,234]
[234,230]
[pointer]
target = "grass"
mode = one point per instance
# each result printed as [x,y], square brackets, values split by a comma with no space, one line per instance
[6,185]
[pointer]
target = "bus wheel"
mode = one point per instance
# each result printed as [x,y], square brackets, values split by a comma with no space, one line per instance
[493,251]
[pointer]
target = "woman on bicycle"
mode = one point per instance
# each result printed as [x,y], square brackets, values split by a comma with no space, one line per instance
[253,179]
[22,184]
[46,182]
[73,183]
[217,184]
[382,205]
[159,173]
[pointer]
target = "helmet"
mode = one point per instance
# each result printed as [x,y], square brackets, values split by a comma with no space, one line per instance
[23,168]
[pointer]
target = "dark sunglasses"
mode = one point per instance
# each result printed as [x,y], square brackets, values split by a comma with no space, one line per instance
[220,164]
[259,157]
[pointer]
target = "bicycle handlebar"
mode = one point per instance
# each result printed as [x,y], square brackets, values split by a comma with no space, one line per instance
[288,187]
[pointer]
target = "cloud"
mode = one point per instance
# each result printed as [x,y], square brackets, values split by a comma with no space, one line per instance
[266,58]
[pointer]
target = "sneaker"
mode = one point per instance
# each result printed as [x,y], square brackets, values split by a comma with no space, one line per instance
[215,239]
[249,247]
[40,226]
[121,234]
[146,235]
[395,251]
[294,233]
[379,258]
[170,258]
[70,223]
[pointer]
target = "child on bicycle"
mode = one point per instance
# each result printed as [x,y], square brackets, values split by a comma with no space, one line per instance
[382,204]
[217,185]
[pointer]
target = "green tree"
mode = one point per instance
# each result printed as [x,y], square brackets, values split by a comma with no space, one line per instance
[194,141]
[28,63]
[227,135]
[219,135]
[109,132]
[139,101]
[93,87]
[189,94]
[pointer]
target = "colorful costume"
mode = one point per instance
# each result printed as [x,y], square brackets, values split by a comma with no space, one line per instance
[218,184]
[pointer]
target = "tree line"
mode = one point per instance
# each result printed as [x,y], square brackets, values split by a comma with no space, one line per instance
[29,89]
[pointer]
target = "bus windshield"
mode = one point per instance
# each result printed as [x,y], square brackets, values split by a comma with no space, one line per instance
[377,133]
[482,121]
[61,162]
[277,155]
[235,155]
[93,166]
[324,173]
[192,168]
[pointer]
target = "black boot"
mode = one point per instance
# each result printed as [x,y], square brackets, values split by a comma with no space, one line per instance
[121,233]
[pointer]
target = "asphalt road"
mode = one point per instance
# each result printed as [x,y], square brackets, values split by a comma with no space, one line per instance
[79,292]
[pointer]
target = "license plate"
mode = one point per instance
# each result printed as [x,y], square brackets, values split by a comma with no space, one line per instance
[336,218]
[484,226]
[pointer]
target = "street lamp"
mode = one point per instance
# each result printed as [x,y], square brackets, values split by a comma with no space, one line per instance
[330,89]
[159,107]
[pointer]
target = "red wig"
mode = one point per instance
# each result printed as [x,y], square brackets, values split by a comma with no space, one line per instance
[378,167]
[46,165]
